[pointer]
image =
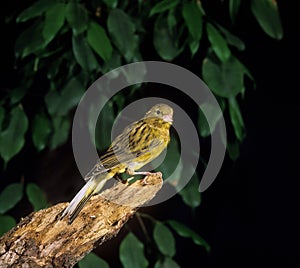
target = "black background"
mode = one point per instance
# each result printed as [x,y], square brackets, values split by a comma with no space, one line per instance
[250,216]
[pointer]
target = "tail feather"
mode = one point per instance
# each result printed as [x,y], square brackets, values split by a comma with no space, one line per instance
[81,198]
[79,207]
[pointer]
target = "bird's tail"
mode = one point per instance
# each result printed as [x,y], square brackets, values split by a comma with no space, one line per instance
[80,199]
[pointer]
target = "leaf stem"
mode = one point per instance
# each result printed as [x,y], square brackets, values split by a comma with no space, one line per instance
[147,216]
[138,216]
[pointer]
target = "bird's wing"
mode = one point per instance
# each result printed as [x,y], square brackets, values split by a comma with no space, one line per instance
[127,146]
[136,141]
[117,153]
[97,170]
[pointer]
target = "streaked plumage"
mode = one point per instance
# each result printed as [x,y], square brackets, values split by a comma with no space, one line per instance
[138,144]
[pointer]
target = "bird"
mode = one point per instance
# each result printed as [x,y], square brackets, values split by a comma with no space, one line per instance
[138,144]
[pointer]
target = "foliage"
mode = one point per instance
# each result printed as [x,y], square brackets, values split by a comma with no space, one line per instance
[11,195]
[92,261]
[68,44]
[72,43]
[36,196]
[184,231]
[132,252]
[12,138]
[164,239]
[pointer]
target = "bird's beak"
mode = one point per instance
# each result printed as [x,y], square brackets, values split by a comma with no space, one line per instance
[168,118]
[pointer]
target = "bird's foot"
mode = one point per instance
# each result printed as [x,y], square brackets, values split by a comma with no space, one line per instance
[119,179]
[145,173]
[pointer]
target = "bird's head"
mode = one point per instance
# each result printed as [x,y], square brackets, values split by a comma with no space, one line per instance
[162,111]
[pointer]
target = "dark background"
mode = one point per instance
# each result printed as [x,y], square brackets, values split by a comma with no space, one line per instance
[249,215]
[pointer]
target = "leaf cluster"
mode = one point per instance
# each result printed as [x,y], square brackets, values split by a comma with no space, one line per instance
[11,195]
[69,44]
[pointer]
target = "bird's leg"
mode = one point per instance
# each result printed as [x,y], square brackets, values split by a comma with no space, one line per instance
[131,172]
[119,179]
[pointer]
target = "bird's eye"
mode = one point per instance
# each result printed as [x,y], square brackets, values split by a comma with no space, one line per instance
[158,112]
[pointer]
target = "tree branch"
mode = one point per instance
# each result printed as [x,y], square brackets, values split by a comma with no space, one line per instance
[39,240]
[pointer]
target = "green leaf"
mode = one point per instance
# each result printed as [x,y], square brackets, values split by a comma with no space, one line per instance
[111,3]
[83,53]
[60,103]
[10,196]
[267,14]
[99,41]
[249,75]
[92,261]
[112,63]
[213,116]
[164,239]
[54,67]
[18,93]
[55,17]
[132,252]
[163,6]
[193,19]
[194,46]
[12,139]
[190,194]
[7,222]
[232,39]
[233,149]
[166,263]
[61,127]
[234,6]
[185,231]
[2,116]
[247,72]
[105,121]
[119,99]
[166,40]
[236,119]
[225,79]
[122,30]
[47,53]
[133,71]
[53,102]
[36,196]
[30,41]
[41,130]
[37,9]
[77,17]
[171,19]
[218,43]
[171,160]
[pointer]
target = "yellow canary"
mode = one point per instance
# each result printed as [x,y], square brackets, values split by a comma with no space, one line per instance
[138,144]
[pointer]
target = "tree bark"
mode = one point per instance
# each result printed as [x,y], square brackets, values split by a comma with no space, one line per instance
[40,240]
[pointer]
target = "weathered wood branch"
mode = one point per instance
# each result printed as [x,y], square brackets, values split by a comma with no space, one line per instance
[39,240]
